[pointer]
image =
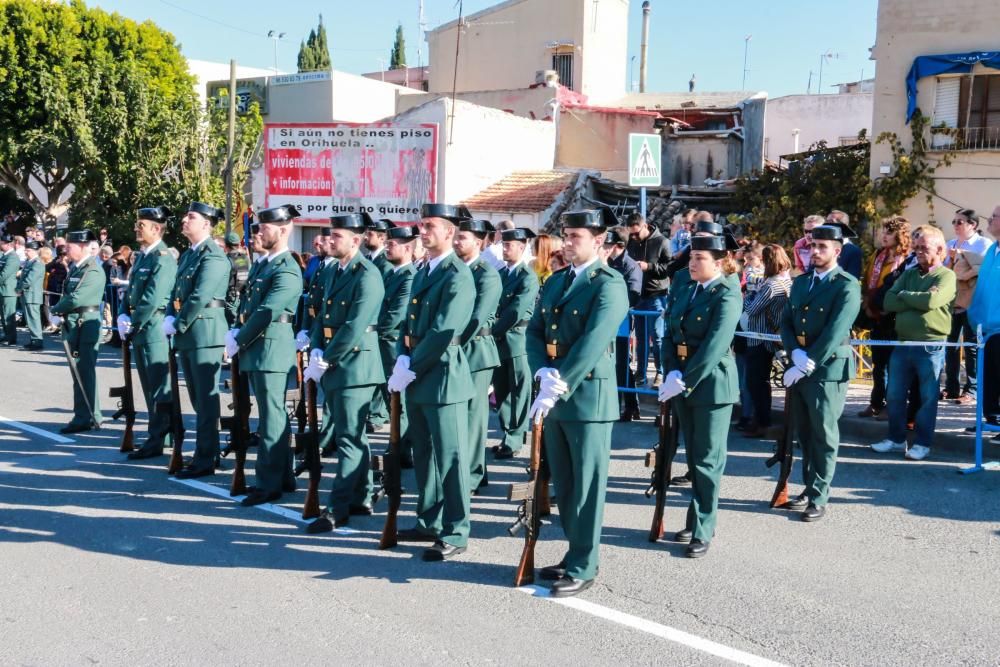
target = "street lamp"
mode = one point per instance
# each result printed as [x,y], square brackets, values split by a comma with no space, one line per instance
[823,57]
[275,37]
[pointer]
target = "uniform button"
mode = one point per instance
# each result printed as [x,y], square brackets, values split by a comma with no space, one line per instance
[413,317]
[329,301]
[343,303]
[803,320]
[698,318]
[806,308]
[574,312]
[415,301]
[555,326]
[556,310]
[356,349]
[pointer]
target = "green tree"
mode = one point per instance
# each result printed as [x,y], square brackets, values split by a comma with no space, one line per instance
[314,53]
[97,113]
[397,59]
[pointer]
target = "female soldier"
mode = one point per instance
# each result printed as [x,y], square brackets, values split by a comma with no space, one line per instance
[701,372]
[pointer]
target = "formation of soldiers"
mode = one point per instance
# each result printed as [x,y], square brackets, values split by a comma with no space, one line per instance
[440,331]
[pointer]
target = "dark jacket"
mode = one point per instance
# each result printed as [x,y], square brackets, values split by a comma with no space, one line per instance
[655,251]
[630,271]
[852,259]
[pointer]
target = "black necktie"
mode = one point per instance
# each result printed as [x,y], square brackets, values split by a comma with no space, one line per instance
[813,282]
[697,290]
[570,277]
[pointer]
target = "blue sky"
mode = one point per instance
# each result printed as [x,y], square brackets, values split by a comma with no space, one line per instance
[707,39]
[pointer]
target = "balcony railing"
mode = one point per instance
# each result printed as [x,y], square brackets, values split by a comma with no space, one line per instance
[966,139]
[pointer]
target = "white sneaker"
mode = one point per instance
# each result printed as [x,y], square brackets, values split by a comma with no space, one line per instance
[887,445]
[917,452]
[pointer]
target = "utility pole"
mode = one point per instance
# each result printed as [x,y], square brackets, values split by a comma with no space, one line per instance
[746,60]
[823,58]
[229,146]
[275,37]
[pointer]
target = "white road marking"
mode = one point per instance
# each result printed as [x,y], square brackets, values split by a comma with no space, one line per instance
[656,629]
[280,510]
[37,431]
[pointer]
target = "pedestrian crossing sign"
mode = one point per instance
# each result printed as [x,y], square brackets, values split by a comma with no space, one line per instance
[644,160]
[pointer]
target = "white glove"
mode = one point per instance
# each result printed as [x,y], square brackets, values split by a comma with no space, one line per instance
[302,341]
[540,408]
[168,325]
[232,347]
[802,361]
[402,363]
[554,385]
[124,325]
[400,379]
[314,371]
[543,373]
[315,355]
[793,375]
[55,320]
[671,386]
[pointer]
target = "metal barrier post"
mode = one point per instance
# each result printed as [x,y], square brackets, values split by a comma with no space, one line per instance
[980,427]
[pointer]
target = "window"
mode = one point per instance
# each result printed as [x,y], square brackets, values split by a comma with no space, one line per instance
[970,104]
[562,63]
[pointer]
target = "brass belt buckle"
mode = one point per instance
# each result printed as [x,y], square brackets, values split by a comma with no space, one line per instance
[243,318]
[552,350]
[177,305]
[406,342]
[312,312]
[682,351]
[801,340]
[327,332]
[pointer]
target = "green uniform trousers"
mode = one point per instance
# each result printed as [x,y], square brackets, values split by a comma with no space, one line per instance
[378,411]
[33,318]
[326,435]
[8,306]
[705,429]
[273,470]
[353,484]
[84,339]
[512,388]
[439,434]
[578,454]
[816,407]
[479,426]
[154,377]
[201,367]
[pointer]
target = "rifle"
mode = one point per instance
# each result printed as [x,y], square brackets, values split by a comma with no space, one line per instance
[392,474]
[661,460]
[173,409]
[238,426]
[785,455]
[308,443]
[300,403]
[126,403]
[75,372]
[532,495]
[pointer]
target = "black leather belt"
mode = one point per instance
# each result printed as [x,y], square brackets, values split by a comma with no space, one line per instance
[84,309]
[216,303]
[285,318]
[412,341]
[485,331]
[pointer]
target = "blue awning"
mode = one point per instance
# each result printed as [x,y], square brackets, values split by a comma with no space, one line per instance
[954,63]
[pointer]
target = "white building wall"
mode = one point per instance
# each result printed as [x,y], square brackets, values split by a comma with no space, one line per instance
[829,118]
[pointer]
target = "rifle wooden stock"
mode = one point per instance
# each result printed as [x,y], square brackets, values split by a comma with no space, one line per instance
[310,509]
[238,426]
[529,515]
[173,408]
[785,455]
[661,461]
[300,402]
[126,402]
[392,473]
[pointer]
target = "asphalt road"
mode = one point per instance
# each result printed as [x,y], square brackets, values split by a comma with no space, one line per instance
[108,562]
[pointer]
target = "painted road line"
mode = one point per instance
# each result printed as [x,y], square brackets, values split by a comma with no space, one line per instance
[656,629]
[37,431]
[280,510]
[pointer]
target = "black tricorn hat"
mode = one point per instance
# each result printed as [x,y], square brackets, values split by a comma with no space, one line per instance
[254,228]
[478,227]
[706,227]
[209,212]
[614,237]
[380,225]
[279,215]
[708,243]
[6,238]
[845,231]
[404,232]
[350,221]
[446,211]
[594,219]
[80,236]
[517,234]
[731,243]
[160,214]
[325,231]
[828,233]
[32,245]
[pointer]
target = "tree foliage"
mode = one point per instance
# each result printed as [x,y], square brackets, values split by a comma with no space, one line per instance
[314,52]
[397,58]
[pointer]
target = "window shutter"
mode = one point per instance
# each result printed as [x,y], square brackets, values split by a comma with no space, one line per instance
[946,103]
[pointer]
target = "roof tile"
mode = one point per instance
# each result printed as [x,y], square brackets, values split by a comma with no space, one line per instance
[522,192]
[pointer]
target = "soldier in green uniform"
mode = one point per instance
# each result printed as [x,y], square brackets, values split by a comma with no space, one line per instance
[140,321]
[29,289]
[376,233]
[433,371]
[196,321]
[345,360]
[570,343]
[399,249]
[78,311]
[10,264]
[239,269]
[702,316]
[477,340]
[815,329]
[512,380]
[265,342]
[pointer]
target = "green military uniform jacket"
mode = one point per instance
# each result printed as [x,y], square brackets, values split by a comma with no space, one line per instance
[29,285]
[477,339]
[266,340]
[438,313]
[314,294]
[382,263]
[579,325]
[198,298]
[390,319]
[819,321]
[84,287]
[698,339]
[10,263]
[148,292]
[345,330]
[517,302]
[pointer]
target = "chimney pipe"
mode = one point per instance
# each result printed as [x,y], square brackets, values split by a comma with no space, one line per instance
[645,46]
